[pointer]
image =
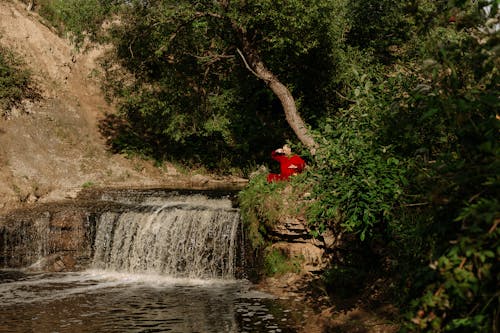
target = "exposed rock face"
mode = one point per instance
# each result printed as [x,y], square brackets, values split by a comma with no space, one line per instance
[67,230]
[55,263]
[311,255]
[293,228]
[49,238]
[292,237]
[284,224]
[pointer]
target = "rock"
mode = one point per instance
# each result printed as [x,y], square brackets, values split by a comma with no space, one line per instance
[54,263]
[41,191]
[67,240]
[311,255]
[329,239]
[67,230]
[68,219]
[171,169]
[290,227]
[31,198]
[198,180]
[68,261]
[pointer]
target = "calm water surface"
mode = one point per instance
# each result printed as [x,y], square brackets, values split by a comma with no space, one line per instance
[97,301]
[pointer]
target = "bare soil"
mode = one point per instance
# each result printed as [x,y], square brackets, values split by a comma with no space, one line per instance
[51,148]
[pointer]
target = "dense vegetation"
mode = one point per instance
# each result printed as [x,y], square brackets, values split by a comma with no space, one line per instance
[402,99]
[15,82]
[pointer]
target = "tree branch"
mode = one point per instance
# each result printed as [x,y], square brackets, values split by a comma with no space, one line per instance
[343,97]
[248,66]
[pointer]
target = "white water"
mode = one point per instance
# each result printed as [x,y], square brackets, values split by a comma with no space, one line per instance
[195,239]
[49,287]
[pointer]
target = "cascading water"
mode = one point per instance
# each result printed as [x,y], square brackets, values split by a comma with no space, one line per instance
[195,238]
[158,261]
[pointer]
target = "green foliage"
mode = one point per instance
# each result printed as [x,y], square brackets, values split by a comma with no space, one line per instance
[253,209]
[88,184]
[79,19]
[276,263]
[302,43]
[15,81]
[447,121]
[186,93]
[263,203]
[464,294]
[358,179]
[377,25]
[428,133]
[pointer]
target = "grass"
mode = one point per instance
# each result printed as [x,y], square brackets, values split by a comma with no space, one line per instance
[276,263]
[88,184]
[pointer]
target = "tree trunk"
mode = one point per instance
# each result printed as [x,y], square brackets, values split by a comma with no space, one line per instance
[257,67]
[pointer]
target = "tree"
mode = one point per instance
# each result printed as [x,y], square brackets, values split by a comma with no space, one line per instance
[218,36]
[213,32]
[198,61]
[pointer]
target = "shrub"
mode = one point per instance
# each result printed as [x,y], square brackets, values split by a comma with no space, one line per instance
[263,203]
[15,81]
[357,177]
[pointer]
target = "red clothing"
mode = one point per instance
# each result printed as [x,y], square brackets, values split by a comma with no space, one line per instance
[288,166]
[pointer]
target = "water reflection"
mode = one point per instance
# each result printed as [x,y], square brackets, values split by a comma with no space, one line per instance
[102,302]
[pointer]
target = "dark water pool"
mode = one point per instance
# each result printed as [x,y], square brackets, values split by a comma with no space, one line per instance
[96,301]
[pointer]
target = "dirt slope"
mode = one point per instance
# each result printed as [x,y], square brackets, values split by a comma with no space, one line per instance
[49,150]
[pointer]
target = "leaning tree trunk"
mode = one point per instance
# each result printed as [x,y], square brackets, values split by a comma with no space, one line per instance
[257,67]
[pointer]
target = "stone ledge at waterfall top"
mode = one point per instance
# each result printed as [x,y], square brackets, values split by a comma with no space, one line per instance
[182,183]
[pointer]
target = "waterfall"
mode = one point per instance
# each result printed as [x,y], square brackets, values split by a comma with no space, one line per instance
[183,236]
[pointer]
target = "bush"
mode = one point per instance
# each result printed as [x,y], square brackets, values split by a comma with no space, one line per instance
[15,82]
[357,177]
[78,19]
[414,162]
[263,203]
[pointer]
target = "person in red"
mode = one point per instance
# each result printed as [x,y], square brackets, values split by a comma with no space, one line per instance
[290,164]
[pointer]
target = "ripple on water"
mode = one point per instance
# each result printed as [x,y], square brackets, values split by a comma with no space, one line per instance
[96,301]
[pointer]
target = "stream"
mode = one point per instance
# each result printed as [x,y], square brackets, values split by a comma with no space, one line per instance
[98,301]
[154,261]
